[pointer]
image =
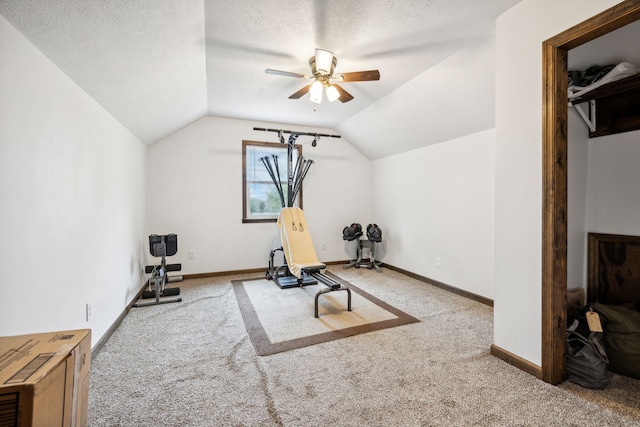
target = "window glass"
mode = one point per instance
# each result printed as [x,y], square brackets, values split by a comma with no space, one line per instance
[262,201]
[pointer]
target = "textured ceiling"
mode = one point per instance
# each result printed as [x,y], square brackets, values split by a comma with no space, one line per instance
[158,65]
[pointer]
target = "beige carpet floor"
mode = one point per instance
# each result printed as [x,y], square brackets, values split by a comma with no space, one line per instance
[193,364]
[285,320]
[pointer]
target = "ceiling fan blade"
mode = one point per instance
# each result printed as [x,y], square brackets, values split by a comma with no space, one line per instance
[286,73]
[301,92]
[359,76]
[344,95]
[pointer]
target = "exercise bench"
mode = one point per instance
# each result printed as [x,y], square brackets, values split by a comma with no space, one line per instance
[302,265]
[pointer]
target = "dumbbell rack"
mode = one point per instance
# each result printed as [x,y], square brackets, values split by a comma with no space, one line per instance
[359,262]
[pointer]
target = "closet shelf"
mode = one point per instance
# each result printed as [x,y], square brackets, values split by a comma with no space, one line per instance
[618,107]
[615,88]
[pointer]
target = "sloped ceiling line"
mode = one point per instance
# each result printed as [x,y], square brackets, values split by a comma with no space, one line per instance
[159,65]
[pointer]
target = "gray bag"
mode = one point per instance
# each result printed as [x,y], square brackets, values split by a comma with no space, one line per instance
[586,362]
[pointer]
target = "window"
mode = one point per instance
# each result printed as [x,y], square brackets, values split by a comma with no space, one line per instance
[260,198]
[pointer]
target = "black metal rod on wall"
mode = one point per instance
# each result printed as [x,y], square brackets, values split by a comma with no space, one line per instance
[290,147]
[296,132]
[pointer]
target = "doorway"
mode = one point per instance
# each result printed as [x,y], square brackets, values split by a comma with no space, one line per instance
[554,176]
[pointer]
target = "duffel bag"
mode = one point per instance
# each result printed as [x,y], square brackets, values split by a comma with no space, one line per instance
[621,324]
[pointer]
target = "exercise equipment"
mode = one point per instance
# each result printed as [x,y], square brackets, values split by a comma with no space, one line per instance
[352,232]
[374,233]
[302,265]
[161,246]
[296,173]
[357,248]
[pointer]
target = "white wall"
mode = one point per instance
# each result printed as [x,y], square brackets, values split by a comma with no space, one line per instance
[520,33]
[604,196]
[195,191]
[613,198]
[438,201]
[453,98]
[72,186]
[612,48]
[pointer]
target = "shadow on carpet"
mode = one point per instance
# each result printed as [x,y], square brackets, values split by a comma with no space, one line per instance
[279,320]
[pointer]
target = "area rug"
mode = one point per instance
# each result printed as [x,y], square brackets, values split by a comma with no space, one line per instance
[279,320]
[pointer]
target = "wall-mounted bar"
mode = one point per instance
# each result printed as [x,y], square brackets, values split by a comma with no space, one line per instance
[295,132]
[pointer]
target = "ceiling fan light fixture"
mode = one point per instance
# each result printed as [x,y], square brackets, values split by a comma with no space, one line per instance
[322,65]
[332,93]
[315,92]
[324,61]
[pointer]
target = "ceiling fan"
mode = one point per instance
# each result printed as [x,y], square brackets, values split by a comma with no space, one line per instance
[322,65]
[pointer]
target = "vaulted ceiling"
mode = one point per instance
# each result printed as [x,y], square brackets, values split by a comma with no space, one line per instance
[159,65]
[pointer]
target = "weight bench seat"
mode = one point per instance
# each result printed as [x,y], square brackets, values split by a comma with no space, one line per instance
[297,245]
[300,253]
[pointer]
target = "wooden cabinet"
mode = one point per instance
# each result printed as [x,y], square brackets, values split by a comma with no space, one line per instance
[44,379]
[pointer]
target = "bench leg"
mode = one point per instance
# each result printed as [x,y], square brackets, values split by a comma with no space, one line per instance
[327,290]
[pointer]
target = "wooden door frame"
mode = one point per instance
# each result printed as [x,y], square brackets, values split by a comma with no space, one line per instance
[554,176]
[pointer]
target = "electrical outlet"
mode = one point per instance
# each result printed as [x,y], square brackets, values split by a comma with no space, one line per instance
[438,262]
[324,246]
[88,311]
[192,254]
